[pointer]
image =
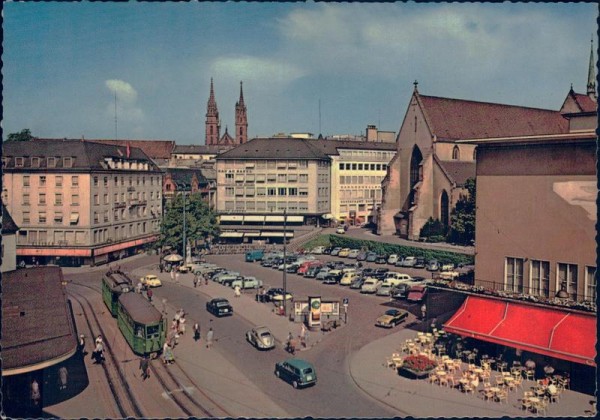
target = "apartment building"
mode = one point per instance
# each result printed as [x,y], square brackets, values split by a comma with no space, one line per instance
[79,202]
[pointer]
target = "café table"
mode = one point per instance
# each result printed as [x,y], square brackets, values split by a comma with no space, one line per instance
[478,371]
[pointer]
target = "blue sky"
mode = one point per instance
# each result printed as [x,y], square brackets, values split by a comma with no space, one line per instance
[64,62]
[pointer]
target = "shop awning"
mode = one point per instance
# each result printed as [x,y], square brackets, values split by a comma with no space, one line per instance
[295,219]
[231,218]
[254,218]
[231,234]
[277,234]
[74,217]
[251,234]
[274,219]
[552,332]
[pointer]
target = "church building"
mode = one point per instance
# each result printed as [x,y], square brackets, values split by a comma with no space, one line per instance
[213,123]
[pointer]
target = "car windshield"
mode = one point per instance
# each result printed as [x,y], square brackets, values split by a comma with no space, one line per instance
[391,312]
[222,303]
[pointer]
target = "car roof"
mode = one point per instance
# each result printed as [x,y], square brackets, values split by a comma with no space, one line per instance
[262,329]
[299,363]
[220,300]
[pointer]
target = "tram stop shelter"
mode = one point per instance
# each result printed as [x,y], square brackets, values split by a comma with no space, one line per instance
[38,334]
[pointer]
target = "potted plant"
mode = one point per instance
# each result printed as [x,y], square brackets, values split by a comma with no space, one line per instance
[418,366]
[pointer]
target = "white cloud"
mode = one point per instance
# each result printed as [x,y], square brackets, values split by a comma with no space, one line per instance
[126,101]
[254,69]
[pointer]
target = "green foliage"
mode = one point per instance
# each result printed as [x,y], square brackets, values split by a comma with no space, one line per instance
[463,217]
[433,229]
[385,248]
[24,135]
[200,222]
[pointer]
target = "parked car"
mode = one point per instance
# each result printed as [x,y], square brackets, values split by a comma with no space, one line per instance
[327,250]
[371,257]
[318,250]
[391,318]
[433,265]
[150,280]
[323,273]
[292,268]
[419,263]
[417,293]
[261,338]
[353,253]
[312,271]
[392,259]
[335,251]
[255,255]
[370,285]
[380,273]
[275,294]
[348,278]
[362,256]
[446,266]
[449,275]
[384,290]
[357,283]
[227,279]
[409,262]
[184,268]
[219,307]
[340,230]
[344,252]
[298,372]
[381,259]
[247,283]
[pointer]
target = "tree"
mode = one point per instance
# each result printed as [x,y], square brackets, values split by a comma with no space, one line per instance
[200,222]
[462,229]
[24,135]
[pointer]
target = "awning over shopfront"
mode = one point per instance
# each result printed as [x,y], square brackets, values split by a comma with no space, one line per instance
[231,218]
[251,234]
[231,234]
[277,234]
[552,332]
[274,219]
[254,218]
[295,219]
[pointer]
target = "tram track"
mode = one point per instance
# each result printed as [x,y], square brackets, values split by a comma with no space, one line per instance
[125,400]
[173,386]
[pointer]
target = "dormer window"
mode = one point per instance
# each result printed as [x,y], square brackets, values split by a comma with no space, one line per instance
[35,162]
[51,162]
[68,162]
[19,162]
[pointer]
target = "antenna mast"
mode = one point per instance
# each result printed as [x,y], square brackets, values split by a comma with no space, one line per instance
[116,137]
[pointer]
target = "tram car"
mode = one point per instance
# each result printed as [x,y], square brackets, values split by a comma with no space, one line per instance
[142,325]
[114,284]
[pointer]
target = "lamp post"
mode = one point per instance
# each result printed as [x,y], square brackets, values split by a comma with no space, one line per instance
[284,263]
[184,242]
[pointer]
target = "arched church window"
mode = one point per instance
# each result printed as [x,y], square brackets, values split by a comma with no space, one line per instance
[455,153]
[475,154]
[444,209]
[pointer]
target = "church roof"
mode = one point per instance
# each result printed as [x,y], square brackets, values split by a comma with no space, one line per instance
[578,103]
[458,171]
[454,119]
[226,139]
[8,224]
[37,327]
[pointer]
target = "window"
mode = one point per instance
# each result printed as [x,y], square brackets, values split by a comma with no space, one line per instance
[42,181]
[303,192]
[342,180]
[95,181]
[105,198]
[514,275]
[293,191]
[229,191]
[26,181]
[271,178]
[51,162]
[281,178]
[96,218]
[360,166]
[303,164]
[58,217]
[42,199]
[68,162]
[96,199]
[260,178]
[26,217]
[75,199]
[261,191]
[106,215]
[42,217]
[271,191]
[455,153]
[303,178]
[20,162]
[590,284]
[282,191]
[106,181]
[228,177]
[292,178]
[354,166]
[567,277]
[540,278]
[58,199]
[249,191]
[342,166]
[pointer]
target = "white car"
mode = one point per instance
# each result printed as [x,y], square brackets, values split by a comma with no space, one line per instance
[353,253]
[370,285]
[261,338]
[409,262]
[340,230]
[318,250]
[392,259]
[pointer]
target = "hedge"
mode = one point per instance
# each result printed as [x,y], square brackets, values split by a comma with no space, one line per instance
[387,249]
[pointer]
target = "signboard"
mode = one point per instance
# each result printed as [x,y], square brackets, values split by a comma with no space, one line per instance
[345,301]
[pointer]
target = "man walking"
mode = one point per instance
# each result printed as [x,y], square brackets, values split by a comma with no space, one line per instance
[145,367]
[209,338]
[196,331]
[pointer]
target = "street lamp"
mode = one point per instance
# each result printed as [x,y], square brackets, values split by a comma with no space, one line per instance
[184,247]
[284,263]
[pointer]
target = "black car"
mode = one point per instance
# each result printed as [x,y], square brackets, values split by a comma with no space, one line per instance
[381,259]
[229,281]
[380,273]
[274,291]
[420,263]
[292,268]
[312,272]
[327,250]
[219,307]
[331,280]
[358,283]
[371,257]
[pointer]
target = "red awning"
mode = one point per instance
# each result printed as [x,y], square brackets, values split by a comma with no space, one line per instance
[549,331]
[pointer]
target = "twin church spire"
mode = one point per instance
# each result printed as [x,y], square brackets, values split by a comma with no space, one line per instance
[213,123]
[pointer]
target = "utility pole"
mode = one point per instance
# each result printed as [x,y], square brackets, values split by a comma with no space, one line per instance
[184,247]
[284,262]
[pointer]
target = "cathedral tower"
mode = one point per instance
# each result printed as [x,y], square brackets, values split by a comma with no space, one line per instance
[241,120]
[213,125]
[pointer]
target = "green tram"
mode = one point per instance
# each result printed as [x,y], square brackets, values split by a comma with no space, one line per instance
[142,325]
[114,284]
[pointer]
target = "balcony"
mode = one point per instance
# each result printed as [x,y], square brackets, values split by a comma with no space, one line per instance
[119,205]
[135,202]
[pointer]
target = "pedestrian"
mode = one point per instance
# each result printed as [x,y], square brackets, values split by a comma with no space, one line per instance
[98,339]
[98,354]
[149,294]
[206,280]
[181,329]
[236,291]
[196,331]
[209,338]
[138,287]
[81,345]
[63,375]
[35,393]
[145,367]
[161,267]
[168,354]
[173,274]
[195,280]
[423,311]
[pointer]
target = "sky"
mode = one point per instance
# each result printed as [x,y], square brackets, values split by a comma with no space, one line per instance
[326,68]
